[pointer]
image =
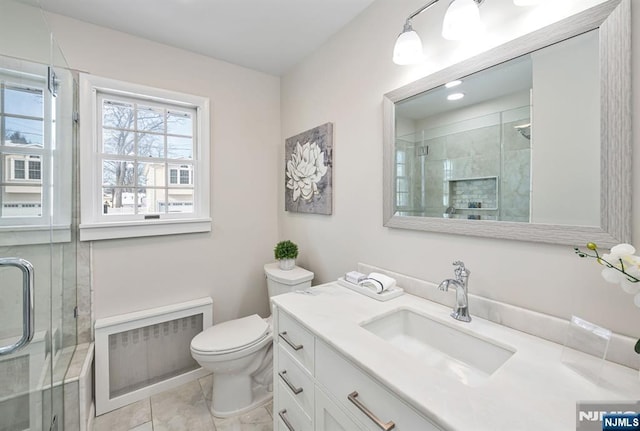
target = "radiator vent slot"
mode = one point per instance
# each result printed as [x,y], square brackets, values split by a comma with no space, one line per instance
[143,353]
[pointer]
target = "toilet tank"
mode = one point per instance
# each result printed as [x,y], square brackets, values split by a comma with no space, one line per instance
[280,281]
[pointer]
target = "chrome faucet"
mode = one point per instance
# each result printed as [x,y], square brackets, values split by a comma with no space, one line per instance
[461,309]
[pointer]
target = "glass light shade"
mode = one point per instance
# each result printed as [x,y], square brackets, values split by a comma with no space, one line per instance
[461,20]
[408,48]
[526,2]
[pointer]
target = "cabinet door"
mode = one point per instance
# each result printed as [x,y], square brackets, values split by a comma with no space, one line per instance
[329,417]
[369,402]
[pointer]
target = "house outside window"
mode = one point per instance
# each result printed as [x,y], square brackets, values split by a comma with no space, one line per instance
[23,149]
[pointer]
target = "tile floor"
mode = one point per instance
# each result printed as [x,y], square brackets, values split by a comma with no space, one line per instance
[185,408]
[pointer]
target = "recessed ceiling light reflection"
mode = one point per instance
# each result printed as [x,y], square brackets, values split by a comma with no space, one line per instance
[455,96]
[453,84]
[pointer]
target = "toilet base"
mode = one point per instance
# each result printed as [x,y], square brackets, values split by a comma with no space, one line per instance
[261,396]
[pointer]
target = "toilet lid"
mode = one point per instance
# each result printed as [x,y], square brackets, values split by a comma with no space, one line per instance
[231,335]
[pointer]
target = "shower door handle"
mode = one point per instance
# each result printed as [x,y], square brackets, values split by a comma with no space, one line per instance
[28,318]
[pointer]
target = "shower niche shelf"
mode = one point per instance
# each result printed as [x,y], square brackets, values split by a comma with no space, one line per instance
[481,192]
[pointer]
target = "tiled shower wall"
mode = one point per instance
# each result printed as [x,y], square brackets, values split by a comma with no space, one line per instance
[492,151]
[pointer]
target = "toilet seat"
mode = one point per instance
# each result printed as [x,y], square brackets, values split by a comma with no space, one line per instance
[231,336]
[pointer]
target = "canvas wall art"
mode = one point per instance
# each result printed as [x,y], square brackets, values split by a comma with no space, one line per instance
[309,171]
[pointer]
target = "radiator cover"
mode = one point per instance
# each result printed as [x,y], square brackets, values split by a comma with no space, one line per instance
[146,352]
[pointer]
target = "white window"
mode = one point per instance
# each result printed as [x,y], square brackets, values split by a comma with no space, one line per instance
[35,153]
[145,160]
[402,181]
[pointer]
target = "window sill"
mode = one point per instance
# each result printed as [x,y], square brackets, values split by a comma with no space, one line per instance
[36,234]
[115,230]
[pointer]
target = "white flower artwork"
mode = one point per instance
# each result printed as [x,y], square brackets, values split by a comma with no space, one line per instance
[308,171]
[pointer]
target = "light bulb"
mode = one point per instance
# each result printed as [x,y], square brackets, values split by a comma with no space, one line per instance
[461,20]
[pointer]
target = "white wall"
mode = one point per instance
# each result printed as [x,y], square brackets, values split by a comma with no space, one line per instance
[226,264]
[343,82]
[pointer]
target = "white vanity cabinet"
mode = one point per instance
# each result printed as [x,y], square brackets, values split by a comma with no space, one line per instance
[315,388]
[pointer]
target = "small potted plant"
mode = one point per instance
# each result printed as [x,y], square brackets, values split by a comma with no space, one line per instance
[286,253]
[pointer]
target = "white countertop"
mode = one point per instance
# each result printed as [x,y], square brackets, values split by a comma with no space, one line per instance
[532,391]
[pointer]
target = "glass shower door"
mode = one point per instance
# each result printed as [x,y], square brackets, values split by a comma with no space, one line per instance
[37,254]
[26,353]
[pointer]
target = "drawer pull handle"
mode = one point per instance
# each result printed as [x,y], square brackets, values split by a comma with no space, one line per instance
[287,340]
[283,416]
[384,426]
[295,390]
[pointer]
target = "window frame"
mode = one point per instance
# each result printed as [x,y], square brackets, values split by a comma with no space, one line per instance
[94,225]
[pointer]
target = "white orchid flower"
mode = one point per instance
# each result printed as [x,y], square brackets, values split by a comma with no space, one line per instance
[610,275]
[305,169]
[618,253]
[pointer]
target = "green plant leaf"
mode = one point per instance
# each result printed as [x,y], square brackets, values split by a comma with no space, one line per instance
[285,250]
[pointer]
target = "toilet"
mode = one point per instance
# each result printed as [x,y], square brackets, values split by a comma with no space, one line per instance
[239,352]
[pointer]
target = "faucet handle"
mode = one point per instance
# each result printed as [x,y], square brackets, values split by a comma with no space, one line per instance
[460,270]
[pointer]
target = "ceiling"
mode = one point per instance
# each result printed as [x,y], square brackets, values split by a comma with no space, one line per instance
[501,80]
[266,35]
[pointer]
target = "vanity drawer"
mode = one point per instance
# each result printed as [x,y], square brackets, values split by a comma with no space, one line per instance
[296,381]
[296,340]
[289,415]
[350,386]
[330,417]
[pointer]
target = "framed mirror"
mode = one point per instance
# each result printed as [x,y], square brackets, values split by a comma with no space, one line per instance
[529,141]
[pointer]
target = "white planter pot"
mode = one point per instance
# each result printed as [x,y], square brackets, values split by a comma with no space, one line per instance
[286,264]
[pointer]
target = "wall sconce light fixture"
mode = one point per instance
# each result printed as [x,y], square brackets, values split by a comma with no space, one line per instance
[461,20]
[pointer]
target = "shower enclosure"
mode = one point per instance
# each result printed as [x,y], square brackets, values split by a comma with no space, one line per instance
[476,168]
[37,241]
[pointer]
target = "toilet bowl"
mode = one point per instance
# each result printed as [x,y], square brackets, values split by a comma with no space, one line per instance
[239,352]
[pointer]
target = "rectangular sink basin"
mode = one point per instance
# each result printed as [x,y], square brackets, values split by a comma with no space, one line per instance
[458,354]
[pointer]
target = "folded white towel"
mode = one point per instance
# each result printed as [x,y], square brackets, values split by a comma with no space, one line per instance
[378,282]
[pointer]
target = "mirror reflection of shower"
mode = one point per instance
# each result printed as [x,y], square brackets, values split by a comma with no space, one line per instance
[472,168]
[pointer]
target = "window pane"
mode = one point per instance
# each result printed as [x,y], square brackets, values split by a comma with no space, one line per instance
[117,142]
[173,176]
[402,185]
[34,170]
[180,200]
[151,174]
[23,101]
[400,171]
[118,115]
[150,145]
[185,176]
[20,131]
[118,173]
[150,119]
[179,148]
[179,123]
[21,201]
[118,201]
[152,200]
[20,197]
[18,170]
